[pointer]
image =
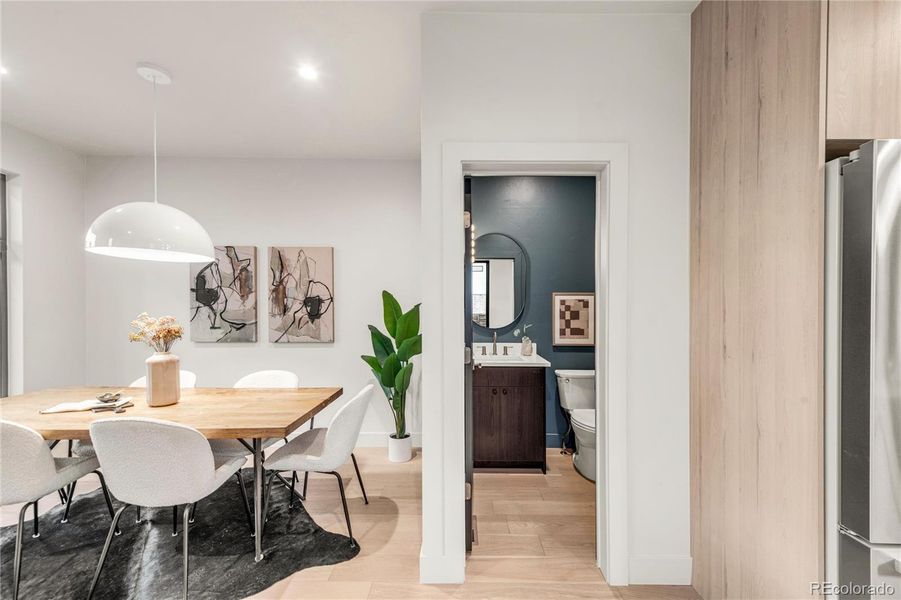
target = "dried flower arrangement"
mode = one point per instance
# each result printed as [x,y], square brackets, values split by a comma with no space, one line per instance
[159,333]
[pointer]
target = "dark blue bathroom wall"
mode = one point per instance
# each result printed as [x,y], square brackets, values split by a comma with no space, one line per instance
[553,219]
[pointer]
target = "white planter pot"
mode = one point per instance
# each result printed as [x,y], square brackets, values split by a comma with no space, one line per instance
[400,450]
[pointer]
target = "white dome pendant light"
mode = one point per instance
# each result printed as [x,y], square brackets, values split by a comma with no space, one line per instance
[150,230]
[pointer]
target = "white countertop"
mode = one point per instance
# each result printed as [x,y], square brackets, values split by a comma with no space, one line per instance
[513,358]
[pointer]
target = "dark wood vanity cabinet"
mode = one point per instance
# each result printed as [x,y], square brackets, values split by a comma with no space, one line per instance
[508,417]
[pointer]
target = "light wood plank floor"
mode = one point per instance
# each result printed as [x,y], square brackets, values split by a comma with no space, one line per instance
[535,538]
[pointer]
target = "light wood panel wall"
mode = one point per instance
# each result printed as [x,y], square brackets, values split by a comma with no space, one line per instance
[864,74]
[756,298]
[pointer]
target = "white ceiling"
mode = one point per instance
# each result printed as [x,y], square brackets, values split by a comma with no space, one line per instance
[235,89]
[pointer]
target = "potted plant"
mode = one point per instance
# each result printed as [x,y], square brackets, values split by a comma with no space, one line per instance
[163,387]
[392,367]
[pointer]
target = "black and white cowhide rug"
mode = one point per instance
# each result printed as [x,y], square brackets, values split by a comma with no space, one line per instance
[145,562]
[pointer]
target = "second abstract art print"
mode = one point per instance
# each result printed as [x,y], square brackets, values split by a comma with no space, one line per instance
[301,304]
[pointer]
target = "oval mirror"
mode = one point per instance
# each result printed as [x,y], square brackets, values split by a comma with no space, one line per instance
[499,274]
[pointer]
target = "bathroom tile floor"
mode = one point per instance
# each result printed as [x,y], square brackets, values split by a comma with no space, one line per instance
[535,538]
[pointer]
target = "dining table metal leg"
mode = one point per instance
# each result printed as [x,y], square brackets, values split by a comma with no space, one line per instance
[306,474]
[258,498]
[278,476]
[70,494]
[291,495]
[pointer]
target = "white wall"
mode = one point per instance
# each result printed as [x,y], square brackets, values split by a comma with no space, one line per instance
[367,210]
[46,284]
[569,78]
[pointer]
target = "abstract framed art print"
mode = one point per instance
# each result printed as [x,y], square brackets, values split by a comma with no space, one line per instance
[223,296]
[573,318]
[301,304]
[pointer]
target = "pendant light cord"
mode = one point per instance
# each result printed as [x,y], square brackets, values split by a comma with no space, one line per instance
[154,144]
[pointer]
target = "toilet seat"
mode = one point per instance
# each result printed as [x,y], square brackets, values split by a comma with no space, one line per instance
[584,418]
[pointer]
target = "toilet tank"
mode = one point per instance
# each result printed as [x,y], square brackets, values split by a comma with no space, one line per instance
[576,389]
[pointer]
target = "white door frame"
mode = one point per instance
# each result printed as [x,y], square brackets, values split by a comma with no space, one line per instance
[442,558]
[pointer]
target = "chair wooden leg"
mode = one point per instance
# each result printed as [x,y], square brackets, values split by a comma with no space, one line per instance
[109,539]
[174,521]
[350,532]
[17,565]
[186,519]
[360,479]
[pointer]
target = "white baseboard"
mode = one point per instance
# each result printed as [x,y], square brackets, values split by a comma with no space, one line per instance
[442,569]
[660,570]
[379,439]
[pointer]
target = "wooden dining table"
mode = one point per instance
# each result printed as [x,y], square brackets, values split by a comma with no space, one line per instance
[249,414]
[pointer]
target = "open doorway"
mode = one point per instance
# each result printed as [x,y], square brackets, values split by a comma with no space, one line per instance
[531,320]
[443,553]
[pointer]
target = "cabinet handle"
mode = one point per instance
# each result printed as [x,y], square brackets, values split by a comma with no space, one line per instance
[504,391]
[494,391]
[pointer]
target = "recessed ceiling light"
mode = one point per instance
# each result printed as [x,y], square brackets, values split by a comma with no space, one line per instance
[3,71]
[308,72]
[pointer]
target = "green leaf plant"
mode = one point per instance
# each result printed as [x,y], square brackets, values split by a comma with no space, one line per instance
[391,362]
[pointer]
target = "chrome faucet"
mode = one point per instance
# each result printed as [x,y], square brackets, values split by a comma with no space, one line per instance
[494,345]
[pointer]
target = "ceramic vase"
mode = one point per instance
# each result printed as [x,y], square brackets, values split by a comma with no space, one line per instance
[163,386]
[526,346]
[400,450]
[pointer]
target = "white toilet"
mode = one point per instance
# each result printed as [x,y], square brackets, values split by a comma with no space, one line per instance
[577,396]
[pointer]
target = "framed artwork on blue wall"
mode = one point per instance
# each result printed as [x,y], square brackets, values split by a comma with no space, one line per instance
[573,318]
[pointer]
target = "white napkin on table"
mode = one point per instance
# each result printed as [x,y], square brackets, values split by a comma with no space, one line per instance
[88,404]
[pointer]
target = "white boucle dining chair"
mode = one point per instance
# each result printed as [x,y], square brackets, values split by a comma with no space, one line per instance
[30,472]
[154,463]
[258,379]
[186,379]
[324,450]
[269,379]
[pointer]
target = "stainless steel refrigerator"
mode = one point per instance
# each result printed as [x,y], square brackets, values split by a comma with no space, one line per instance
[863,371]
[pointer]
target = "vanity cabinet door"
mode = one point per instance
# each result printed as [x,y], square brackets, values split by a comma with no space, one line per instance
[522,414]
[487,424]
[508,417]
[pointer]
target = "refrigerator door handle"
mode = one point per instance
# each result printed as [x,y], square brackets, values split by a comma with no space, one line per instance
[890,548]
